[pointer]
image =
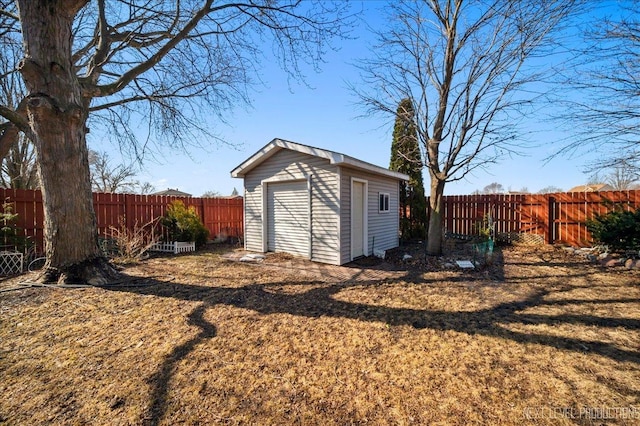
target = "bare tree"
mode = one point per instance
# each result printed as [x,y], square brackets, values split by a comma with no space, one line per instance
[463,64]
[210,194]
[550,189]
[622,176]
[493,188]
[603,108]
[145,188]
[106,177]
[169,64]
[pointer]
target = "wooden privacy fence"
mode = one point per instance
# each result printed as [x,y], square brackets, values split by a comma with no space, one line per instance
[553,218]
[223,217]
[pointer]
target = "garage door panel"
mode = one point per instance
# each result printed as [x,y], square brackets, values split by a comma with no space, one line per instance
[288,217]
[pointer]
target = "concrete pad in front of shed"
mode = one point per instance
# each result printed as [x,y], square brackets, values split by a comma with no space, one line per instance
[243,256]
[252,258]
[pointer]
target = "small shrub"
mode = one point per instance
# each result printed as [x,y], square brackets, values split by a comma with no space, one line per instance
[485,228]
[10,238]
[620,230]
[184,224]
[129,246]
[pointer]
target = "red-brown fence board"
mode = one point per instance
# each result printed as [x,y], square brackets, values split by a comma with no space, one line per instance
[221,216]
[28,205]
[559,217]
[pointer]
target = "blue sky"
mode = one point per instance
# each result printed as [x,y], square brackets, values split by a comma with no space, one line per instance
[326,114]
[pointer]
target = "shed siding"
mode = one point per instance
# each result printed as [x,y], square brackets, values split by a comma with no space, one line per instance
[383,227]
[288,164]
[252,217]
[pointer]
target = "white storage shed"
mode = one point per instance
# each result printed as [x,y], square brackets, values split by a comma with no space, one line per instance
[319,204]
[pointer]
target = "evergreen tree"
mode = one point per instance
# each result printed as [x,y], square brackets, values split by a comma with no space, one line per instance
[406,158]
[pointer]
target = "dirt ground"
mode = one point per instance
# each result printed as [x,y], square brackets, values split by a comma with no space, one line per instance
[537,336]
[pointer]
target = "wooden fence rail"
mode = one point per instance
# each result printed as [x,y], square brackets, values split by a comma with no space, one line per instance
[555,218]
[223,217]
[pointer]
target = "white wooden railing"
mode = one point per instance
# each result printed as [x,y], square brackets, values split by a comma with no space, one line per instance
[174,247]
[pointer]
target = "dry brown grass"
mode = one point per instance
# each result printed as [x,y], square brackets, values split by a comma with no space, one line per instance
[203,340]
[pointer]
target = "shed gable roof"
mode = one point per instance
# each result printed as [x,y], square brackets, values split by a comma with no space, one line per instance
[336,158]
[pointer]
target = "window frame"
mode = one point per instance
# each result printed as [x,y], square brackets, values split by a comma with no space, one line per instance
[384,202]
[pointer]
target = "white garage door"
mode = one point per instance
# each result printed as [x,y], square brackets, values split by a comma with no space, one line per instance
[288,217]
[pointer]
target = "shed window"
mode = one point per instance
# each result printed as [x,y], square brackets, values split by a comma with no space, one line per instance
[383,204]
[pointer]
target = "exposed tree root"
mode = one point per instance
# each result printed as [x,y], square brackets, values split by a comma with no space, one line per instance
[96,271]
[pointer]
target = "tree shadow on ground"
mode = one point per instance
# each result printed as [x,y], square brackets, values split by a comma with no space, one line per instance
[161,379]
[319,299]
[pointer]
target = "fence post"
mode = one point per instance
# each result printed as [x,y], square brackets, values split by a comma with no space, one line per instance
[129,211]
[203,210]
[551,219]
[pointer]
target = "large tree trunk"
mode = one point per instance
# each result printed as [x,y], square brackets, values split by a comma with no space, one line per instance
[57,116]
[434,235]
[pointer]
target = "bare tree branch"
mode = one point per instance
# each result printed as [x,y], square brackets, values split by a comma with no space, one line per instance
[19,169]
[602,102]
[8,12]
[142,67]
[128,55]
[12,102]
